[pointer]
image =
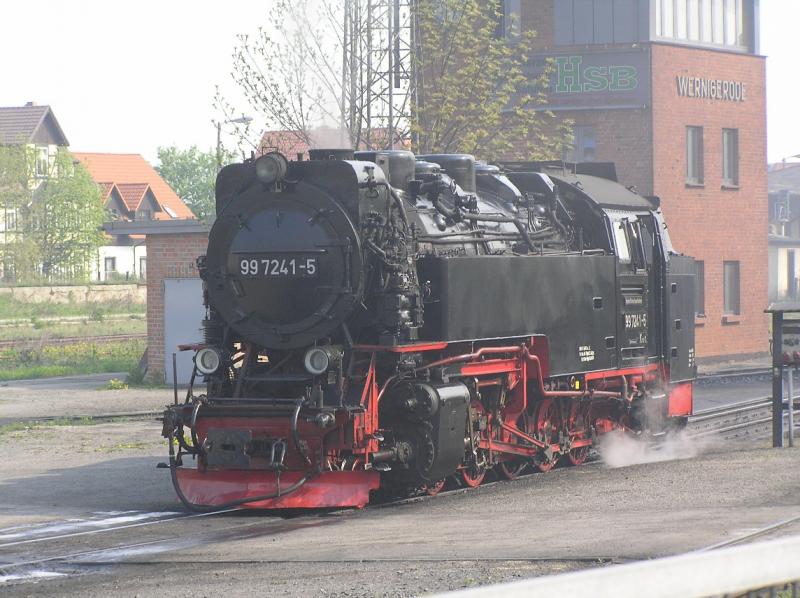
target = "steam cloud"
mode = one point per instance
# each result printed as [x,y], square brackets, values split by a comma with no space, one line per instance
[325,137]
[618,449]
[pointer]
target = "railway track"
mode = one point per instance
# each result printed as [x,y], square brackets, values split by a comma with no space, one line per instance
[737,420]
[71,340]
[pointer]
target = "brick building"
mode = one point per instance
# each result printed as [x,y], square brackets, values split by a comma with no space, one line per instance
[673,92]
[174,294]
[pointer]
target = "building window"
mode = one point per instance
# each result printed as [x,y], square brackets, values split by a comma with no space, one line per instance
[512,19]
[719,22]
[584,145]
[694,155]
[730,157]
[144,215]
[142,268]
[11,220]
[42,162]
[700,288]
[791,275]
[730,285]
[110,265]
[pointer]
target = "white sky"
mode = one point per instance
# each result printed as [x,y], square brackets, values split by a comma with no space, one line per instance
[128,76]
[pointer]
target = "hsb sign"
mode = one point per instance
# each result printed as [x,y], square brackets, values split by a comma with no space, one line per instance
[597,80]
[573,77]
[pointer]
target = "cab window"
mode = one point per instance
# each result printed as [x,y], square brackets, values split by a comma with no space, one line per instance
[621,241]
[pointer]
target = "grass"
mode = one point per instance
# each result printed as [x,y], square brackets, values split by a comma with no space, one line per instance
[43,330]
[35,425]
[11,308]
[70,360]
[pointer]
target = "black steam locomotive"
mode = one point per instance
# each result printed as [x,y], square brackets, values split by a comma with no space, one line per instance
[385,320]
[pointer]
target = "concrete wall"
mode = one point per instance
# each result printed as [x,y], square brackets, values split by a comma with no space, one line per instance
[98,293]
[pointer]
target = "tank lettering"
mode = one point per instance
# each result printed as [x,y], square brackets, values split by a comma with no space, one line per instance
[586,353]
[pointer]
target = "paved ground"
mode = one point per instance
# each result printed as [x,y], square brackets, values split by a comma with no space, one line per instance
[74,396]
[85,511]
[85,478]
[68,396]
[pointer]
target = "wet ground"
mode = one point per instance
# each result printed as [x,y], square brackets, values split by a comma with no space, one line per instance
[86,511]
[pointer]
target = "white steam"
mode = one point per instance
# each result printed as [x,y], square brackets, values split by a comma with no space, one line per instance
[618,449]
[325,137]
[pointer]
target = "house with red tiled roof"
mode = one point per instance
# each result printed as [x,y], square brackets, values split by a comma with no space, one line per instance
[132,191]
[140,188]
[295,144]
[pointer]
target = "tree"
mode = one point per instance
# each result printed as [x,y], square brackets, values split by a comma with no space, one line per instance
[317,79]
[55,219]
[192,173]
[15,194]
[468,89]
[474,94]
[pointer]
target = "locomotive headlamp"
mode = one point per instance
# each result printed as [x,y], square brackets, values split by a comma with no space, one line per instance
[207,360]
[271,167]
[319,359]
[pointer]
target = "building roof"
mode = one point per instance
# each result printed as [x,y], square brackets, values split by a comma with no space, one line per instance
[134,173]
[153,227]
[786,178]
[291,143]
[132,194]
[30,124]
[105,189]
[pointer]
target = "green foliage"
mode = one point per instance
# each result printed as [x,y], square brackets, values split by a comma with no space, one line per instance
[115,384]
[67,360]
[474,92]
[477,97]
[192,173]
[53,222]
[45,330]
[11,308]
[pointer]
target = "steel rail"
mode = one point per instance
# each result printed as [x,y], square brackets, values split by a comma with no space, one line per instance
[740,416]
[100,418]
[72,340]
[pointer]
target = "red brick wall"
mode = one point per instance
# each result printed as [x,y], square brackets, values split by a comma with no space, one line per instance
[622,137]
[537,15]
[711,223]
[168,256]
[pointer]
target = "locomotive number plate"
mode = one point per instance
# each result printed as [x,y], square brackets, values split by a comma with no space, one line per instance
[286,265]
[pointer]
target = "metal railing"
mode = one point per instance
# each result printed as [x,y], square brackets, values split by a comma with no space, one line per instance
[762,569]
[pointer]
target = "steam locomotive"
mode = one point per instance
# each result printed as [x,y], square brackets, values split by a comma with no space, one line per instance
[381,320]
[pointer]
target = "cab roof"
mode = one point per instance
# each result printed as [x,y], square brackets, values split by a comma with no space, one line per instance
[605,193]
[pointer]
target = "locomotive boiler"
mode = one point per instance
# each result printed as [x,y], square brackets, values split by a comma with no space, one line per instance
[381,320]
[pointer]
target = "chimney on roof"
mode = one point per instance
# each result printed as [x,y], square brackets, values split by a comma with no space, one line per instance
[30,103]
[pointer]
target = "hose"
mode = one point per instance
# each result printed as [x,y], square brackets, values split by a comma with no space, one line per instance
[196,508]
